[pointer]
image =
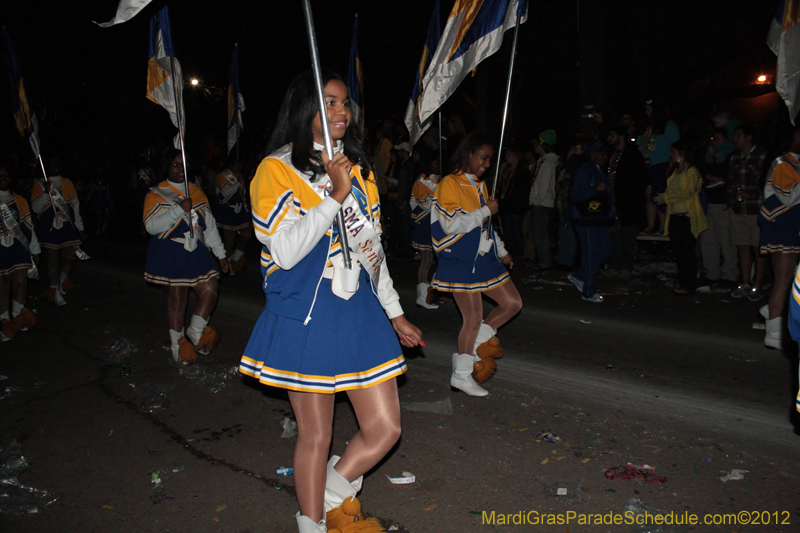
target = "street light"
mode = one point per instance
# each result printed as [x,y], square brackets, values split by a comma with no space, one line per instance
[195,81]
[761,79]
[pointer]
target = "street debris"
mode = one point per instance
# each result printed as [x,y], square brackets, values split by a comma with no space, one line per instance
[734,475]
[284,471]
[214,380]
[628,472]
[406,479]
[564,492]
[165,474]
[289,428]
[119,351]
[441,407]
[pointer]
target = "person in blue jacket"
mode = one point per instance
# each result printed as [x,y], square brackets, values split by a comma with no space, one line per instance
[592,213]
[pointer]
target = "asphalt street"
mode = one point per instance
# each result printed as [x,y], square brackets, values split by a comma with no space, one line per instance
[680,387]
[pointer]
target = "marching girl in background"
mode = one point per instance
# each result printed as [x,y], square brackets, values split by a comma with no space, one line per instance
[19,249]
[233,215]
[421,202]
[178,260]
[316,336]
[472,261]
[59,229]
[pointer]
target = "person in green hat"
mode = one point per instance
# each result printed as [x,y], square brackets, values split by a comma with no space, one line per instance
[542,199]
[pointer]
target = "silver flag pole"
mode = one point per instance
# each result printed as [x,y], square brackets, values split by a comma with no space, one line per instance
[323,116]
[505,108]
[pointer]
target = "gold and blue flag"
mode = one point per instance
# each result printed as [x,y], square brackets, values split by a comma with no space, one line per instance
[235,102]
[164,76]
[784,40]
[415,127]
[474,31]
[355,72]
[23,116]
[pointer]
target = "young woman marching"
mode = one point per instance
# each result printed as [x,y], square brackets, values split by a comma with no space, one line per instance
[421,202]
[233,215]
[19,249]
[472,261]
[59,229]
[178,259]
[316,336]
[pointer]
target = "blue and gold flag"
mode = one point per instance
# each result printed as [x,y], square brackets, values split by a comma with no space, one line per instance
[23,116]
[415,128]
[235,102]
[474,31]
[164,76]
[355,73]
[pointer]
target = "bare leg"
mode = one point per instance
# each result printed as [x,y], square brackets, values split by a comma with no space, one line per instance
[314,414]
[244,237]
[378,412]
[206,298]
[783,266]
[761,267]
[508,301]
[19,287]
[228,237]
[53,270]
[67,257]
[425,264]
[471,306]
[177,298]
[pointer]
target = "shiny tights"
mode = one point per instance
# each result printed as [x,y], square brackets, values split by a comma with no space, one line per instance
[377,410]
[470,304]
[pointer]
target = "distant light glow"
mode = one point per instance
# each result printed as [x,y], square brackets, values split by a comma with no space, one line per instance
[762,79]
[195,81]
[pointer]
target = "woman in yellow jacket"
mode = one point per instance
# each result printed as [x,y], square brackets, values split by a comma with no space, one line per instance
[685,216]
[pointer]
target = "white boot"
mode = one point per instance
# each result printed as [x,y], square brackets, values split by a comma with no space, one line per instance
[485,333]
[422,296]
[774,336]
[174,338]
[337,488]
[59,298]
[195,330]
[764,311]
[462,375]
[306,525]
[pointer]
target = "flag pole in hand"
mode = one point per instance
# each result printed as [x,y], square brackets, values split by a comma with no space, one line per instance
[323,119]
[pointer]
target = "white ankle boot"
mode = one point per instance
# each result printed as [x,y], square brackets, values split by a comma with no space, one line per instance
[337,488]
[422,296]
[59,297]
[306,525]
[774,336]
[462,379]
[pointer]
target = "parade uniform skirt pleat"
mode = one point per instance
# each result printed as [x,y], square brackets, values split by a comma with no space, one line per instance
[14,258]
[227,218]
[460,276]
[52,238]
[168,263]
[781,234]
[421,239]
[347,344]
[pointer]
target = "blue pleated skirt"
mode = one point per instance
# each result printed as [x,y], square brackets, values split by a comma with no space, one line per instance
[486,273]
[168,263]
[347,344]
[14,258]
[227,218]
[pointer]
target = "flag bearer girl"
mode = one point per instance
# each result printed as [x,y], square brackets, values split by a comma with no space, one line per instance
[19,249]
[178,259]
[317,335]
[59,229]
[421,201]
[472,261]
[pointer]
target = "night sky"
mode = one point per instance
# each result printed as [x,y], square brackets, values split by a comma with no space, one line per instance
[87,84]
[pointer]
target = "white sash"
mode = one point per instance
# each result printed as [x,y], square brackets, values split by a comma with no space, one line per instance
[188,240]
[12,227]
